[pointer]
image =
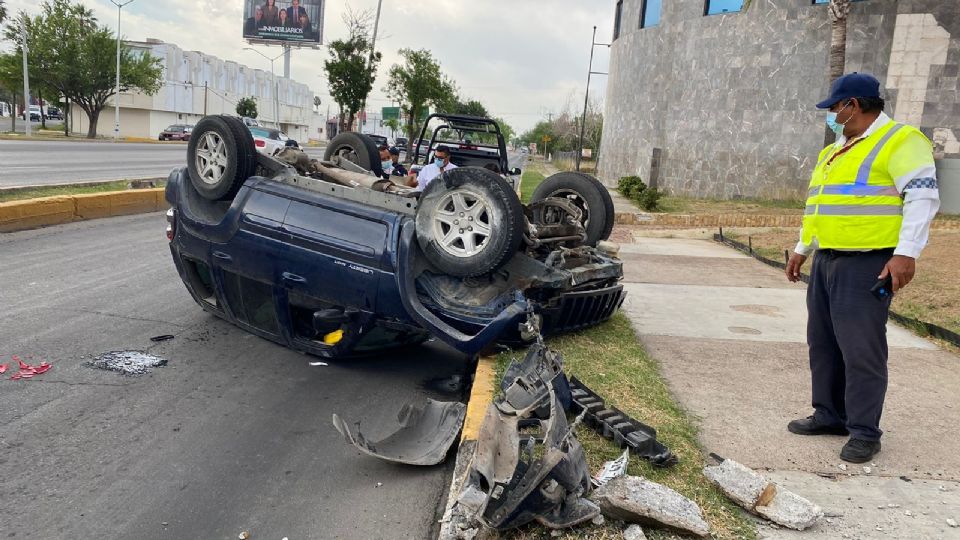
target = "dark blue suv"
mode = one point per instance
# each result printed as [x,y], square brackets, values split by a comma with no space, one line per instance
[329,258]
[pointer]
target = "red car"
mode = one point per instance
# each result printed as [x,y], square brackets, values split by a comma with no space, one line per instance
[176,132]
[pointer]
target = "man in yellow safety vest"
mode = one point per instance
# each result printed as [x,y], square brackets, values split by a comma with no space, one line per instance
[869,206]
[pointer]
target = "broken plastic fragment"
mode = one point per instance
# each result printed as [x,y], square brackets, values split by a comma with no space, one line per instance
[165,337]
[26,370]
[333,337]
[3,368]
[612,469]
[426,433]
[318,364]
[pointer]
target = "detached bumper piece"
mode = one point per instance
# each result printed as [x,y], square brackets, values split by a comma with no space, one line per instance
[425,435]
[580,309]
[616,425]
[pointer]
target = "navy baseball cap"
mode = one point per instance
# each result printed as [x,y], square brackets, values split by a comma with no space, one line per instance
[851,85]
[394,151]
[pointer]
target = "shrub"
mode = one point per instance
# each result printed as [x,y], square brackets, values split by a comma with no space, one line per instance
[631,186]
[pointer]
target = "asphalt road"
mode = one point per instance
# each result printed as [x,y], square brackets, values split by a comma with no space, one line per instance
[31,163]
[233,435]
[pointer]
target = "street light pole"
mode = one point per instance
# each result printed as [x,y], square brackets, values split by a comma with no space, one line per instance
[586,99]
[116,95]
[276,93]
[26,76]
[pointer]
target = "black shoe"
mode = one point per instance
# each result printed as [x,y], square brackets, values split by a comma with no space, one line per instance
[811,426]
[859,450]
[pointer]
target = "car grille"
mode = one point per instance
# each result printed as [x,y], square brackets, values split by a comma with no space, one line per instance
[580,309]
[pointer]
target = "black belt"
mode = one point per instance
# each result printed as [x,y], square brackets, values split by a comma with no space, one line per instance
[842,253]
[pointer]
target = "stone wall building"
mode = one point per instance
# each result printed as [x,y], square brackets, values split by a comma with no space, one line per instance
[196,84]
[722,105]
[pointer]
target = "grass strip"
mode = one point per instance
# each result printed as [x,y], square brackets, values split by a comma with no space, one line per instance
[531,178]
[611,361]
[53,191]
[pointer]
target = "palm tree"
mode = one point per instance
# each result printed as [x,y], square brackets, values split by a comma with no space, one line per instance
[839,10]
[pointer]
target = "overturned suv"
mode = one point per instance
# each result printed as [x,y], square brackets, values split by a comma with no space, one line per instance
[330,258]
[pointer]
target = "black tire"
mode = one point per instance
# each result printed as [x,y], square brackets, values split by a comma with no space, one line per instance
[358,148]
[220,157]
[587,193]
[456,202]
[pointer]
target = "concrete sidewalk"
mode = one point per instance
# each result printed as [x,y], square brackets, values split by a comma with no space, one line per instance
[729,334]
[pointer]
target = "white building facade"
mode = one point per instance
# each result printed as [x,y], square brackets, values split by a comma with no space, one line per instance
[197,84]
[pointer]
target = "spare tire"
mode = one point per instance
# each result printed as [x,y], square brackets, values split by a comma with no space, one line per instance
[220,157]
[588,194]
[357,148]
[469,222]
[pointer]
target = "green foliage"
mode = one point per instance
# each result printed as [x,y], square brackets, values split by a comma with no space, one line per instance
[418,83]
[393,124]
[351,72]
[73,56]
[3,11]
[247,107]
[633,188]
[470,108]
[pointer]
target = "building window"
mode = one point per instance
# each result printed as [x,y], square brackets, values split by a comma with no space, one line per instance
[650,13]
[717,7]
[616,20]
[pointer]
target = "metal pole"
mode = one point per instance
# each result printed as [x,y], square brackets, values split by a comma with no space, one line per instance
[586,99]
[116,95]
[276,96]
[286,61]
[26,75]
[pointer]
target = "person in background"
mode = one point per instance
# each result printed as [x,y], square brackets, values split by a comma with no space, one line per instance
[270,13]
[390,161]
[283,21]
[441,164]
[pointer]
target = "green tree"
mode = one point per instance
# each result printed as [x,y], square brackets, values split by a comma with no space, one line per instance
[73,55]
[393,124]
[505,129]
[316,103]
[11,80]
[470,107]
[352,68]
[3,11]
[417,84]
[247,107]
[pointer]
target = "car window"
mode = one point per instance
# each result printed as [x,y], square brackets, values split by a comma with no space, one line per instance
[262,133]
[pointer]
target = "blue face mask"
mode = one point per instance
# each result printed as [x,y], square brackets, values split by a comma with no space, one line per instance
[439,162]
[386,164]
[832,123]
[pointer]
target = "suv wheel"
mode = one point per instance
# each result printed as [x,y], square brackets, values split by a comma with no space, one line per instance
[469,222]
[357,148]
[588,194]
[220,157]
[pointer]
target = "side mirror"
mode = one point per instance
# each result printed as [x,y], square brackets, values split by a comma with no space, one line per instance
[516,171]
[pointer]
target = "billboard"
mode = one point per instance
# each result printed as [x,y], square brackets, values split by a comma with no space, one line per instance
[285,21]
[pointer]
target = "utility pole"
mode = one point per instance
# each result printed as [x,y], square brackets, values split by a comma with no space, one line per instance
[373,49]
[586,98]
[26,74]
[116,95]
[276,88]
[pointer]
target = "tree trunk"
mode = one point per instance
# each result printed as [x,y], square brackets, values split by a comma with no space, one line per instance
[43,115]
[94,117]
[66,118]
[839,10]
[352,119]
[13,114]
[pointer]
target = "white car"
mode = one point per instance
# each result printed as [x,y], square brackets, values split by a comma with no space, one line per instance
[268,141]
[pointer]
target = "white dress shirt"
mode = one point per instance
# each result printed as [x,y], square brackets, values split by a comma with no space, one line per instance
[428,173]
[921,197]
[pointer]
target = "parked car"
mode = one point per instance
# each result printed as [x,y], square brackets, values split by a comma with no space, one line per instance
[176,132]
[379,139]
[268,141]
[54,113]
[36,114]
[401,143]
[328,258]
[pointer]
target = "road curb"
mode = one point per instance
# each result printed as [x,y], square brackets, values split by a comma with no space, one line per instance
[481,396]
[696,221]
[47,211]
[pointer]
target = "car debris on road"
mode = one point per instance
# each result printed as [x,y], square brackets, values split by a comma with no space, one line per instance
[26,370]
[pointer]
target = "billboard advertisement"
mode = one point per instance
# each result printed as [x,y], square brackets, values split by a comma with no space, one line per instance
[284,21]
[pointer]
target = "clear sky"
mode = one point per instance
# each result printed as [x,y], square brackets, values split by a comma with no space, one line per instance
[521,58]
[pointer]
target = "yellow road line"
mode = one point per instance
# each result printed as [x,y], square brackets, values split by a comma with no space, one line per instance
[481,395]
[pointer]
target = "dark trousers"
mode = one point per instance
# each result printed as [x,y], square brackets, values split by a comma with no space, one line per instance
[847,335]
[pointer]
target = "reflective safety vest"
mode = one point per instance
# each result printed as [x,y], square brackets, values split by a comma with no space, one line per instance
[853,201]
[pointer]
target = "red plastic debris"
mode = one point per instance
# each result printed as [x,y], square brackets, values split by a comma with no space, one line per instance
[26,370]
[3,368]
